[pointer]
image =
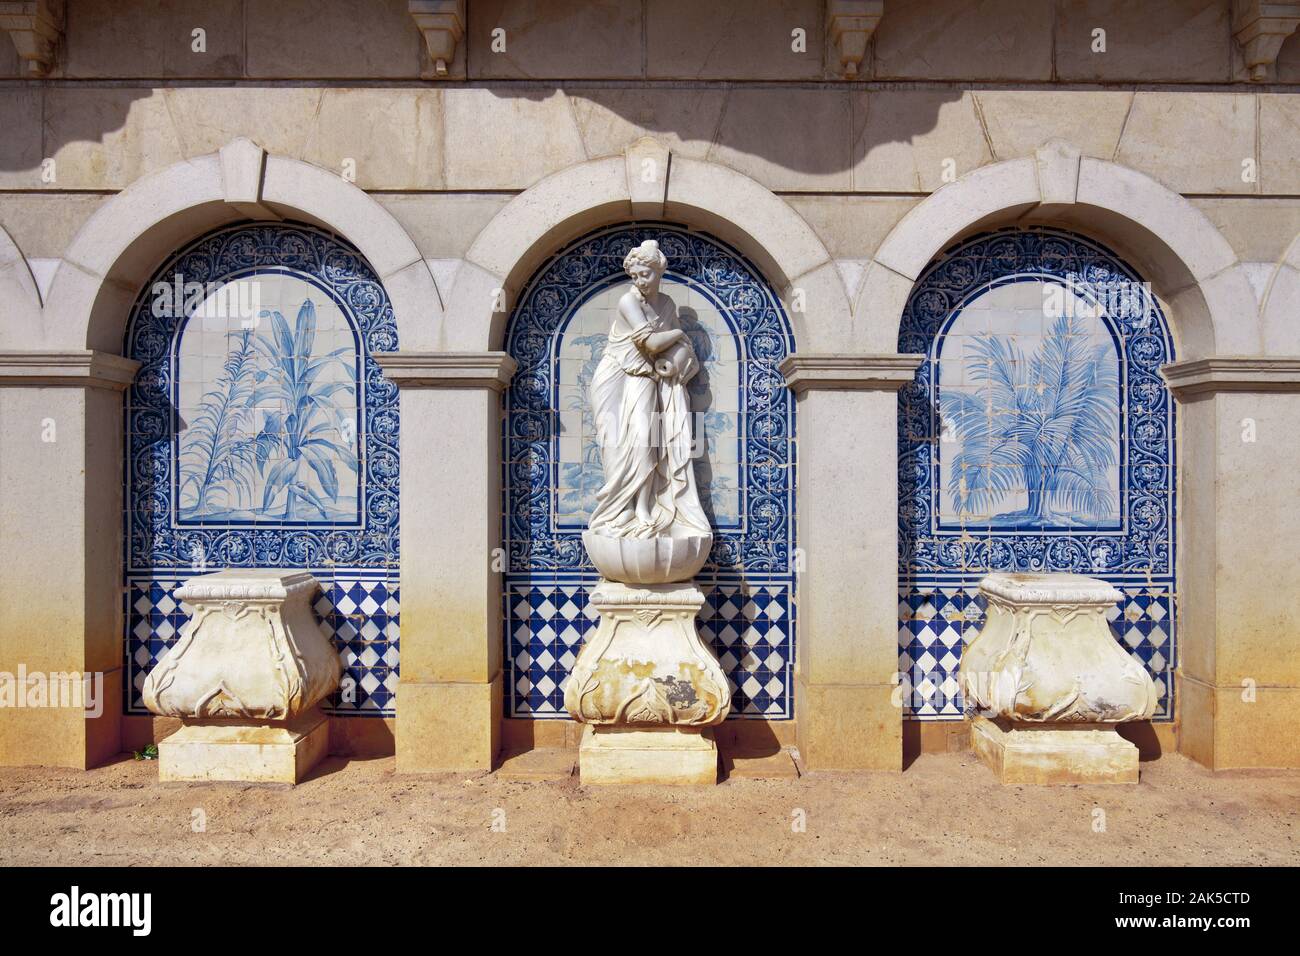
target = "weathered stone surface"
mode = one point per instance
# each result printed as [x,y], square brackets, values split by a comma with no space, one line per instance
[637,755]
[1287,67]
[442,226]
[645,664]
[610,120]
[1259,230]
[332,38]
[686,40]
[1019,121]
[448,726]
[1279,144]
[388,139]
[914,140]
[279,119]
[787,139]
[849,727]
[1162,128]
[1045,654]
[539,39]
[245,677]
[108,138]
[1156,40]
[1049,682]
[251,651]
[852,226]
[10,64]
[20,147]
[1055,754]
[276,752]
[490,129]
[965,39]
[753,765]
[112,39]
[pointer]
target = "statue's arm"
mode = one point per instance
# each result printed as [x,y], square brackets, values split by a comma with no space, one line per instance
[656,342]
[643,332]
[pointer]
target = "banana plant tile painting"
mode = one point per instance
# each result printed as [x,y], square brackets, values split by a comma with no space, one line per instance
[271,435]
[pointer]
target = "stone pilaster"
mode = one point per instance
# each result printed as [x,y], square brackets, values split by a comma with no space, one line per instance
[61,552]
[1238,582]
[847,712]
[449,697]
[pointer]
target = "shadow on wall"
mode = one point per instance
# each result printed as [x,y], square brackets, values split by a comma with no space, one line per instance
[787,138]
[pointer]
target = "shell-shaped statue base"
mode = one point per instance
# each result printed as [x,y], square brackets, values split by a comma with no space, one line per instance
[647,670]
[1046,682]
[659,560]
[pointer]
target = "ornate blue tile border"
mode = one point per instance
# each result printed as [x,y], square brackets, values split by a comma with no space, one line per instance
[941,560]
[749,612]
[353,548]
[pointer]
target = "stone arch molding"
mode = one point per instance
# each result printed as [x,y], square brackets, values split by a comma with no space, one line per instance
[115,252]
[18,290]
[1279,324]
[1172,243]
[646,182]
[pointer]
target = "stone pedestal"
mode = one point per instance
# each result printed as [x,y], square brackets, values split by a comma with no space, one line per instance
[245,678]
[648,687]
[1046,683]
[281,751]
[673,755]
[1021,753]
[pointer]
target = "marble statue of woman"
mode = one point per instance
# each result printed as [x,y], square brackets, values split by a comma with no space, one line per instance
[643,413]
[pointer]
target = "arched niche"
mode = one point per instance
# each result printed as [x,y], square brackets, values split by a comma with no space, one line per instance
[744,429]
[260,433]
[1038,436]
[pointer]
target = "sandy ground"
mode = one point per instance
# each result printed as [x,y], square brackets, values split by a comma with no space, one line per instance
[945,809]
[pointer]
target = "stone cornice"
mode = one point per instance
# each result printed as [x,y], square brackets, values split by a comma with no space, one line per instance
[448,369]
[1233,373]
[87,369]
[823,371]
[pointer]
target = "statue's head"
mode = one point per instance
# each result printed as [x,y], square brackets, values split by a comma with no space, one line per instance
[645,265]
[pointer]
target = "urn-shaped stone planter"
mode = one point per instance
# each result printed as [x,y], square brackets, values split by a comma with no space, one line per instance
[245,678]
[648,687]
[1046,682]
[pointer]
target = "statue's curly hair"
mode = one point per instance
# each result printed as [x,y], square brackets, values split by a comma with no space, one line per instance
[646,254]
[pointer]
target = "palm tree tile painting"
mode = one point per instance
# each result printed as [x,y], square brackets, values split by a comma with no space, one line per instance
[272,436]
[1029,395]
[1037,436]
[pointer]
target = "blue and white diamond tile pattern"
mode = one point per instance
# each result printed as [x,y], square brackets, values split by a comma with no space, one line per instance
[744,420]
[1038,436]
[749,628]
[361,618]
[936,621]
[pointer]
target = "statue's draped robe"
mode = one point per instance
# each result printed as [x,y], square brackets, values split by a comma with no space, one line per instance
[643,427]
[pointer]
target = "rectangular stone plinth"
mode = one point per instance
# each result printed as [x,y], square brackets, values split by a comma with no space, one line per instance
[679,756]
[248,751]
[1048,754]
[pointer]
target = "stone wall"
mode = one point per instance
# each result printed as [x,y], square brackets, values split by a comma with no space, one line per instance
[958,103]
